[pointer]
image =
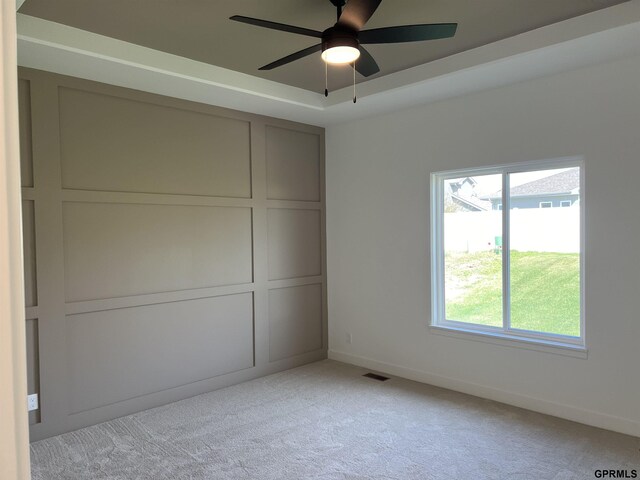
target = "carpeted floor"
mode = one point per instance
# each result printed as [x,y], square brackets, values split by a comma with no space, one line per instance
[326,421]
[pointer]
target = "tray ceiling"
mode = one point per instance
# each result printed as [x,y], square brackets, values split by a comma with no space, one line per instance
[200,29]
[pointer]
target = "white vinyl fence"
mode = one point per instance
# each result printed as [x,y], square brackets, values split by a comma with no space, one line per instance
[532,230]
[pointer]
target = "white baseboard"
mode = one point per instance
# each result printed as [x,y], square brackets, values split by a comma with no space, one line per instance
[587,417]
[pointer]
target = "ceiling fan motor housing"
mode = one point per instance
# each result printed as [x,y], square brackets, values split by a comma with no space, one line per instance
[339,37]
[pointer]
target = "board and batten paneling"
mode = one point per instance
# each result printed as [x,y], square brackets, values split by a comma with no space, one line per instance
[171,248]
[33,365]
[295,320]
[29,244]
[115,250]
[26,156]
[120,144]
[295,247]
[155,347]
[293,165]
[29,252]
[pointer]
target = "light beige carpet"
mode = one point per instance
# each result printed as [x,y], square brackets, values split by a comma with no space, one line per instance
[325,421]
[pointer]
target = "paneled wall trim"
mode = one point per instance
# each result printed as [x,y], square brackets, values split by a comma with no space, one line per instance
[171,248]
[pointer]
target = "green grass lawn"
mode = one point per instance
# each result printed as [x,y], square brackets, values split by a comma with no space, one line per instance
[545,290]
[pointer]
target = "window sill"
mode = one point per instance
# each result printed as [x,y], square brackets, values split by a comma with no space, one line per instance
[547,346]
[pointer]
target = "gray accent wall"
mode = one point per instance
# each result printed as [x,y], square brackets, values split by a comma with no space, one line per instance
[171,248]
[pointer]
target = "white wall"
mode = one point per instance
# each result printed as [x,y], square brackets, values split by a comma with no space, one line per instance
[378,239]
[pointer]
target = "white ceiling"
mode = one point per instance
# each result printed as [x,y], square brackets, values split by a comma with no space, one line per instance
[599,36]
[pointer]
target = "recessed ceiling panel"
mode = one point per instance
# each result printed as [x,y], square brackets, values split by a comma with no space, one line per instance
[201,29]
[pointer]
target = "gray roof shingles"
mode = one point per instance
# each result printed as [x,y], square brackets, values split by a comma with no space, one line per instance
[563,182]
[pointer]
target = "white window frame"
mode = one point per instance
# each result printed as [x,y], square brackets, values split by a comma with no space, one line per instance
[546,205]
[565,203]
[505,335]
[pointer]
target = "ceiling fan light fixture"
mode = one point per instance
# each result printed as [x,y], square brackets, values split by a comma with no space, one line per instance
[339,47]
[340,55]
[343,43]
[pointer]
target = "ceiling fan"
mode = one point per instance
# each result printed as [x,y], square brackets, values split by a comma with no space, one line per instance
[343,42]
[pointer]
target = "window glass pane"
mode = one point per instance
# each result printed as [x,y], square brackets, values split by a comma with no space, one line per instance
[472,249]
[545,251]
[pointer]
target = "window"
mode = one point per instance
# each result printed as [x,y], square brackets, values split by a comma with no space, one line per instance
[546,204]
[497,272]
[565,203]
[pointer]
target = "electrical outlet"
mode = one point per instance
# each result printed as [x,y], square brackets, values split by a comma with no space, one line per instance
[349,338]
[32,401]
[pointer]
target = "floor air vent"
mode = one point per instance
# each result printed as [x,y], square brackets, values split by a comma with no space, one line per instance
[380,378]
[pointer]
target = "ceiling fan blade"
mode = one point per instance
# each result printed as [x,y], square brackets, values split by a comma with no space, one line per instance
[366,65]
[408,33]
[357,12]
[277,26]
[292,57]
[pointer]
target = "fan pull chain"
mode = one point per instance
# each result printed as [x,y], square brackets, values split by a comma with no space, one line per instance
[354,82]
[326,81]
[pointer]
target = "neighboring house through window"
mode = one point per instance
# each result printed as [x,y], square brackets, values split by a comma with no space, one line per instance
[545,192]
